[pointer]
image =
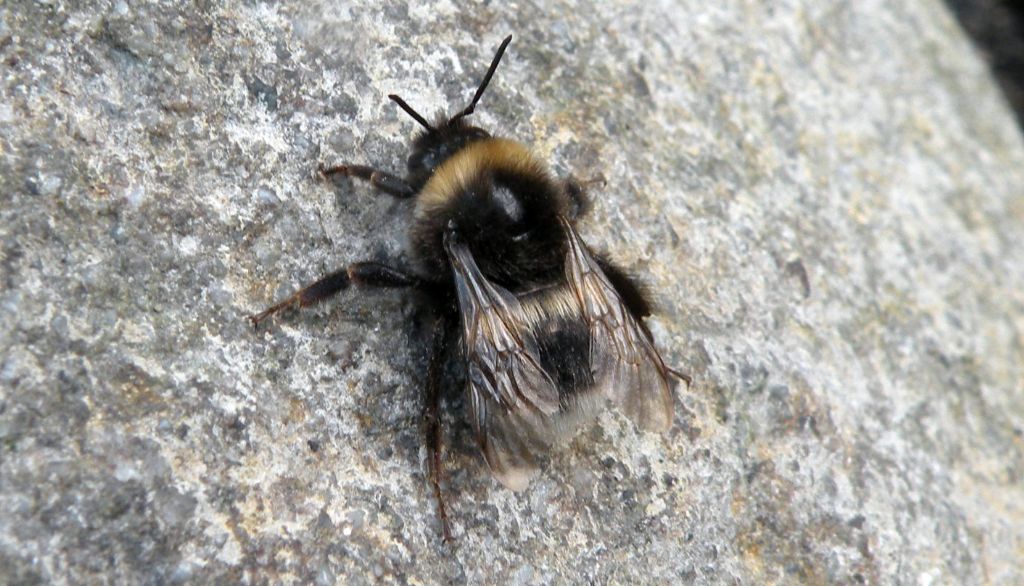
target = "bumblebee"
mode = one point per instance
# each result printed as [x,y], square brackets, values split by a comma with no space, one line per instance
[545,330]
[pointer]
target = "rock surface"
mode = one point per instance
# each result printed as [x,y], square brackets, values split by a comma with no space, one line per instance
[825,196]
[997,29]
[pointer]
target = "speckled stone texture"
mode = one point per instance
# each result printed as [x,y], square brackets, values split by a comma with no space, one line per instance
[825,196]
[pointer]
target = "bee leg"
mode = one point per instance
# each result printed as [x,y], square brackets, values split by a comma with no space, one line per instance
[681,376]
[631,293]
[380,180]
[577,192]
[361,273]
[432,415]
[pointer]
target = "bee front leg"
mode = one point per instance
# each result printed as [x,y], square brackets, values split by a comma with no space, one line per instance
[380,180]
[578,196]
[361,273]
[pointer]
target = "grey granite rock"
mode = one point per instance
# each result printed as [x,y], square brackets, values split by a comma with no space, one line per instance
[826,197]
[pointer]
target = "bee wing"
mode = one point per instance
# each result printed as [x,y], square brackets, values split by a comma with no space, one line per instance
[510,394]
[625,362]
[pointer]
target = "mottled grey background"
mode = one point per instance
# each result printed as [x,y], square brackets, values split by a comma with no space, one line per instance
[825,196]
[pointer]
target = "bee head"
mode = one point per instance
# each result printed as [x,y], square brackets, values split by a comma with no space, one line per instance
[441,140]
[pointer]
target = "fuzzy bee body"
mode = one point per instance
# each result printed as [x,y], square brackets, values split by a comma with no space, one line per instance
[548,332]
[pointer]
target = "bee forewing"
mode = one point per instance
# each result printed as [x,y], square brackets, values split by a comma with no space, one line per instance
[501,352]
[510,394]
[626,365]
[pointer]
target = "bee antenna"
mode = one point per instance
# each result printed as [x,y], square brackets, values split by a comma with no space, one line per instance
[483,84]
[408,110]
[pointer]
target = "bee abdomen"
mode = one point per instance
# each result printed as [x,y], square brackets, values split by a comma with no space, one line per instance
[564,347]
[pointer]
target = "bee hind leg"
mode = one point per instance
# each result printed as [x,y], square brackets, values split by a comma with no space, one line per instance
[432,417]
[380,180]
